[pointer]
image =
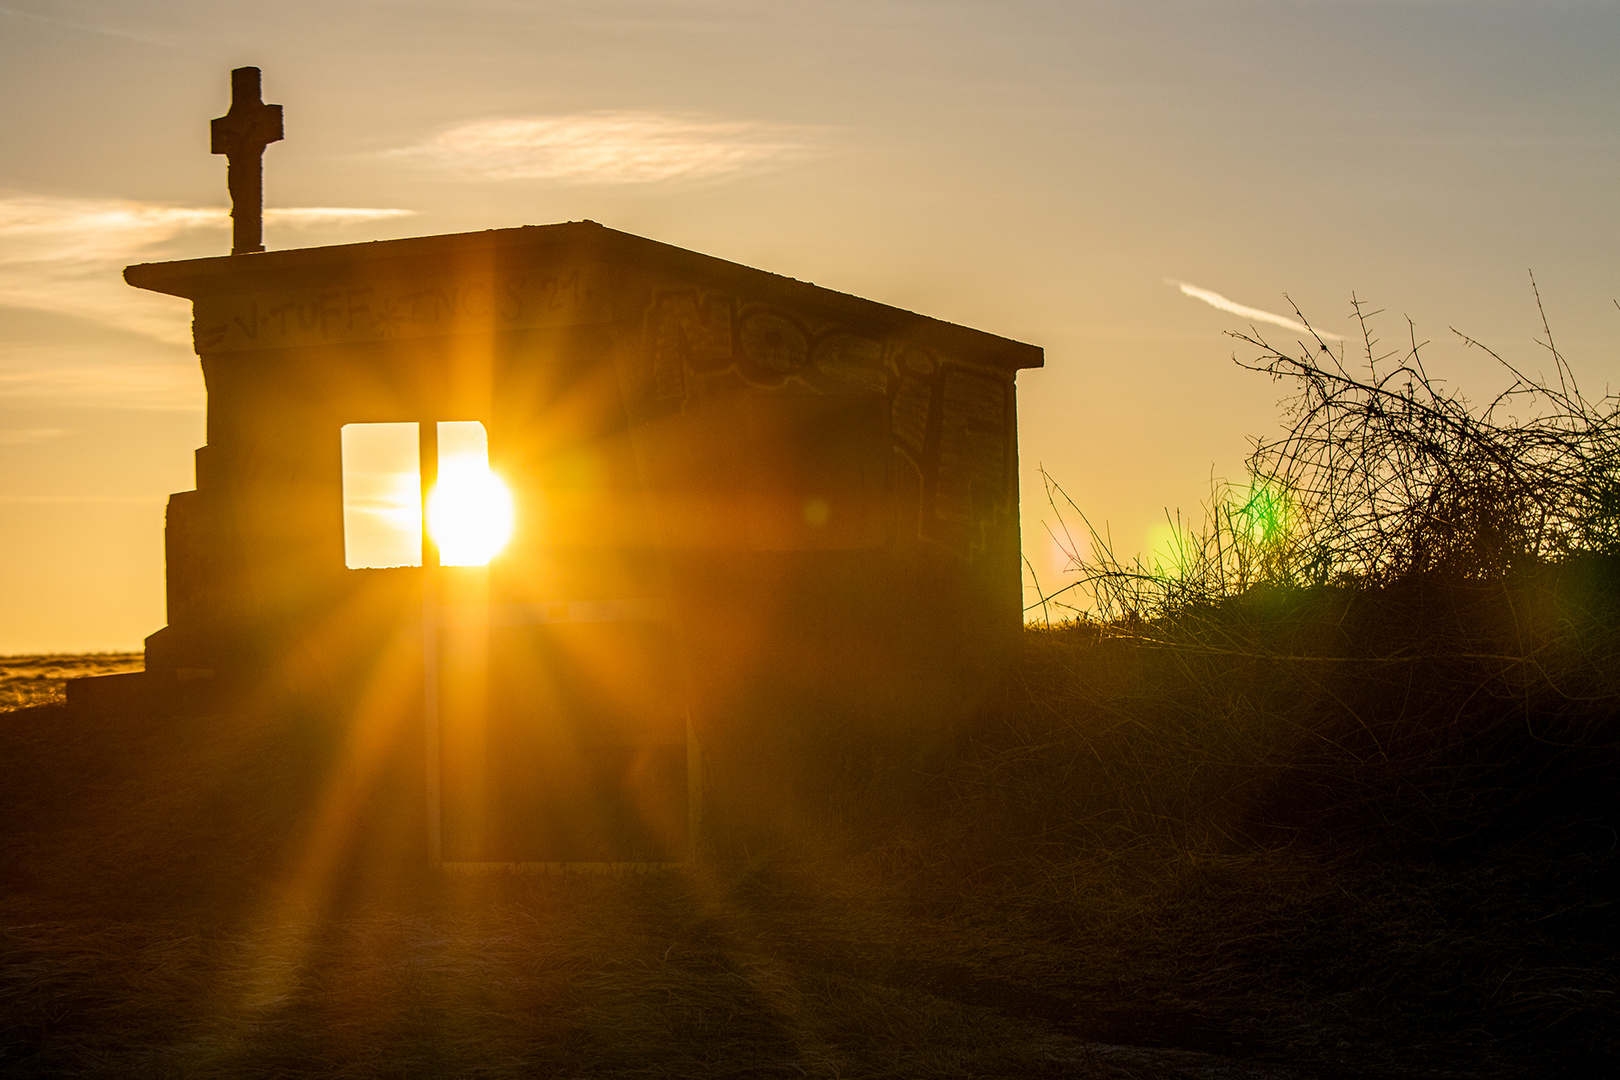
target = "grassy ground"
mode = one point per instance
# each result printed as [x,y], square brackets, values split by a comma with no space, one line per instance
[1203,857]
[39,680]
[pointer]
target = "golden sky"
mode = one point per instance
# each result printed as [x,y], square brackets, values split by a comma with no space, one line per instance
[1119,182]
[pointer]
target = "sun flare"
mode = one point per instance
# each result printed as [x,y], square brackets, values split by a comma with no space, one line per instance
[469,512]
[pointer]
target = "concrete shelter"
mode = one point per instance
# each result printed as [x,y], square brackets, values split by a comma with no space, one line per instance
[741,503]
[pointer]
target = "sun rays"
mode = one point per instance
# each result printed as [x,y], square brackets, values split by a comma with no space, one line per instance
[469,511]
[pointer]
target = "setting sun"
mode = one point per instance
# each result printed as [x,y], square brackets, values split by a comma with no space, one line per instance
[469,512]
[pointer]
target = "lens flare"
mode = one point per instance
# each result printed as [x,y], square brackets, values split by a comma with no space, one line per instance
[1171,550]
[1264,511]
[469,512]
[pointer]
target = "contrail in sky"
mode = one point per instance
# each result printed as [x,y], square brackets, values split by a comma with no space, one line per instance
[1216,300]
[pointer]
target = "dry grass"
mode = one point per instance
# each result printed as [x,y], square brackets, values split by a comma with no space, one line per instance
[186,896]
[40,680]
[1413,859]
[1101,882]
[1292,810]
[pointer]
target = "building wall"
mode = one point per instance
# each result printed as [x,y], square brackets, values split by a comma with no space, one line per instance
[829,503]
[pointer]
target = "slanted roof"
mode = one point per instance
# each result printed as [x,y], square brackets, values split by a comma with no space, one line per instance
[581,241]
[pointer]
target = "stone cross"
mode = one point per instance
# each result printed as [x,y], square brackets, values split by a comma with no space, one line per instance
[241,135]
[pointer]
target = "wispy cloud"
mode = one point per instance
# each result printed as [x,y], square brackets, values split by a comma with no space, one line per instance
[65,255]
[87,377]
[315,217]
[27,436]
[1216,300]
[89,28]
[608,147]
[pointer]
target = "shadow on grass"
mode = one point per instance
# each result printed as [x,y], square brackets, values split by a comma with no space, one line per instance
[1243,852]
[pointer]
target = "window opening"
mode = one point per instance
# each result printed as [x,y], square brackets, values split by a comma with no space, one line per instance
[469,511]
[382,496]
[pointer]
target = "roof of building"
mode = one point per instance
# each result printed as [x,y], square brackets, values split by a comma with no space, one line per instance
[310,267]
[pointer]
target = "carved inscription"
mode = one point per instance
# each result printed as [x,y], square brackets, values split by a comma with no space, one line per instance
[342,315]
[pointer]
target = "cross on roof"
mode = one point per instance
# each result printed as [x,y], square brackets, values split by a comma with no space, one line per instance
[241,135]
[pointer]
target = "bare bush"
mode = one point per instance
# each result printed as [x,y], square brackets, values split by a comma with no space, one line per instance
[1384,475]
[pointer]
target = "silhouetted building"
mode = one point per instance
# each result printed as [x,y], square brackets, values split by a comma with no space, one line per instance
[746,509]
